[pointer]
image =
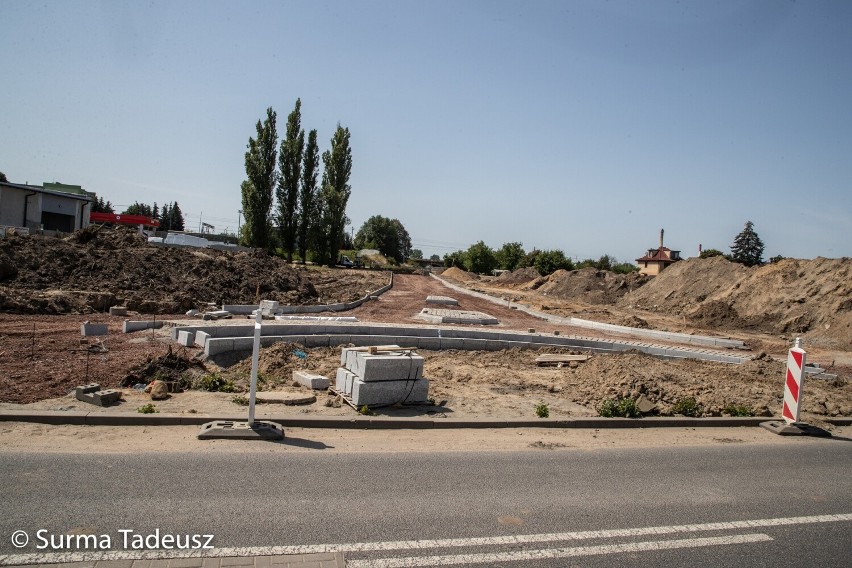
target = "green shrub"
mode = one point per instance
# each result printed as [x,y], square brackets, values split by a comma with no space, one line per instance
[542,410]
[688,407]
[240,399]
[147,409]
[619,408]
[214,382]
[738,410]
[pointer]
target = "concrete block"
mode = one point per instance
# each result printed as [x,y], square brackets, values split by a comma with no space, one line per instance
[93,394]
[389,392]
[87,389]
[344,380]
[118,311]
[433,343]
[338,340]
[442,300]
[217,314]
[216,345]
[390,366]
[452,343]
[88,329]
[311,380]
[268,305]
[201,338]
[186,338]
[316,341]
[243,343]
[240,309]
[129,325]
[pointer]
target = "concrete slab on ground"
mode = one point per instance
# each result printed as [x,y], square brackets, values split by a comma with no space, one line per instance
[442,300]
[438,315]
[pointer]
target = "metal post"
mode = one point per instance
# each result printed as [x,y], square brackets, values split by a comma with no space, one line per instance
[255,357]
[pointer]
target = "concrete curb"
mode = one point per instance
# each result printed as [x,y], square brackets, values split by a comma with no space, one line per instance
[58,417]
[653,334]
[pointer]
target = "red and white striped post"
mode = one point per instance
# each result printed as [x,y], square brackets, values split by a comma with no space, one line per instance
[795,383]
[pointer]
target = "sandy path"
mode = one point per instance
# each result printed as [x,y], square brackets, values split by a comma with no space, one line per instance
[16,437]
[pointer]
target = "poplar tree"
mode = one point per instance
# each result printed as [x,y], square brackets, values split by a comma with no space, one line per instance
[258,189]
[307,208]
[335,192]
[287,193]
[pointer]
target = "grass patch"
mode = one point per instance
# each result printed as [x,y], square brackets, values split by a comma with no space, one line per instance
[688,406]
[619,408]
[147,409]
[214,382]
[738,410]
[542,410]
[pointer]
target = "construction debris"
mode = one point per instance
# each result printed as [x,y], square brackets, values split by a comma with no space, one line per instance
[93,394]
[558,360]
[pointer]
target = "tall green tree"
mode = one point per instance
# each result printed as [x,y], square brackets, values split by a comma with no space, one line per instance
[257,190]
[457,259]
[480,258]
[175,217]
[747,248]
[549,261]
[3,178]
[290,167]
[165,218]
[138,209]
[101,206]
[388,236]
[307,207]
[335,191]
[510,256]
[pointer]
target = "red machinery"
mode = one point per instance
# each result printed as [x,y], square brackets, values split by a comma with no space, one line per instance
[122,219]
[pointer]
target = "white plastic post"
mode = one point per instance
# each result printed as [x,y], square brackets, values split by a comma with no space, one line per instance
[255,357]
[794,383]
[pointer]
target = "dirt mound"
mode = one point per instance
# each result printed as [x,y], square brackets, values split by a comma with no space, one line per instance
[459,275]
[810,297]
[173,366]
[97,267]
[277,362]
[517,277]
[587,285]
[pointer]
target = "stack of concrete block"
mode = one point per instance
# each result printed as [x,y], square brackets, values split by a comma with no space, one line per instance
[380,377]
[270,308]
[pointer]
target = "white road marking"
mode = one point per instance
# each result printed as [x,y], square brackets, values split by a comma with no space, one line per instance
[57,557]
[525,555]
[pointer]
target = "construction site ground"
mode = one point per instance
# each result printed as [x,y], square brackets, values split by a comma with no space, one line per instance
[43,360]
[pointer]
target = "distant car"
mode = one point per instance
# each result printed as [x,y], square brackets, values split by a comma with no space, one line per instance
[345,262]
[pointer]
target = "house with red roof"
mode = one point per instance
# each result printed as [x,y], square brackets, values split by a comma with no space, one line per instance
[657,259]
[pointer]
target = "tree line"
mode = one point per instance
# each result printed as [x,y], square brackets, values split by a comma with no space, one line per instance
[482,259]
[307,217]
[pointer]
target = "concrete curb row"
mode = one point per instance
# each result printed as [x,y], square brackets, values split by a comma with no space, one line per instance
[698,340]
[79,418]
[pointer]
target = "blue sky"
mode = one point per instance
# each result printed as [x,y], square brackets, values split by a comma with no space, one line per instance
[580,125]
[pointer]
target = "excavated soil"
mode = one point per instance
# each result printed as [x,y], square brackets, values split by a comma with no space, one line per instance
[810,298]
[100,267]
[42,358]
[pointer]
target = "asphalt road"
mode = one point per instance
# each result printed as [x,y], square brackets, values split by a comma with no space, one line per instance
[513,502]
